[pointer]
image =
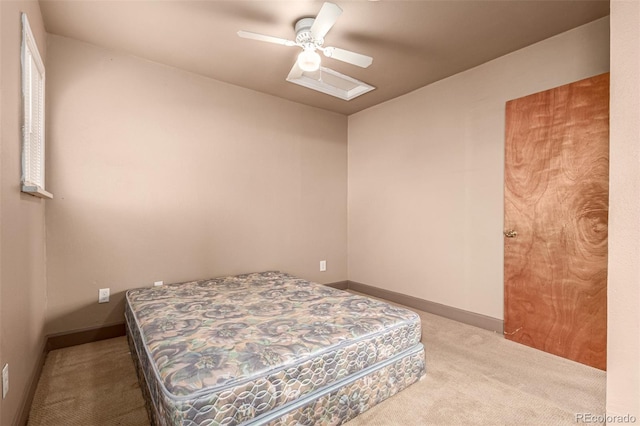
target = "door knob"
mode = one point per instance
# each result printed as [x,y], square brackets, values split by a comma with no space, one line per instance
[510,233]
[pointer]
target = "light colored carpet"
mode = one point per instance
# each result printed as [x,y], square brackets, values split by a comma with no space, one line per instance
[476,377]
[92,384]
[473,377]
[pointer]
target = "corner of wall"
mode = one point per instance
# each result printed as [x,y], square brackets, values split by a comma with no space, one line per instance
[623,328]
[22,228]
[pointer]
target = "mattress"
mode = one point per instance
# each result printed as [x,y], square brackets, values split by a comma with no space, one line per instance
[268,348]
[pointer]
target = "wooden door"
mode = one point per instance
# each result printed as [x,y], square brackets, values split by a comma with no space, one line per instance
[556,204]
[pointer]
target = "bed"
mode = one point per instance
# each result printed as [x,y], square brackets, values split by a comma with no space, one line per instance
[267,348]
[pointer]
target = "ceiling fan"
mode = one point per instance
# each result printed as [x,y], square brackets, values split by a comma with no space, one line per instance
[310,33]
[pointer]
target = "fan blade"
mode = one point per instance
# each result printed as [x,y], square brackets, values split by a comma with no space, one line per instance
[295,72]
[347,56]
[268,39]
[327,16]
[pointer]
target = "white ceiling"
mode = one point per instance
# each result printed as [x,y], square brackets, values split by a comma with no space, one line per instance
[413,43]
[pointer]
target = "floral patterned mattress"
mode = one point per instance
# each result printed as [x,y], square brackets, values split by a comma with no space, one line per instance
[239,349]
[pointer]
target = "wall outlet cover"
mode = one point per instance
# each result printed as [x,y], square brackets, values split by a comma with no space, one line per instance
[158,283]
[103,295]
[323,265]
[5,380]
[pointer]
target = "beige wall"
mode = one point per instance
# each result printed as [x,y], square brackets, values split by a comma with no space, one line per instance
[159,174]
[1,139]
[22,241]
[623,355]
[426,174]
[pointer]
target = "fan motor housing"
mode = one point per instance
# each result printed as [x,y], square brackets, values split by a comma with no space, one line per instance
[303,32]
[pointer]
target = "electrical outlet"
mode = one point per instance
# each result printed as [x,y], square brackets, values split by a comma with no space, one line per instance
[5,380]
[323,265]
[103,295]
[158,283]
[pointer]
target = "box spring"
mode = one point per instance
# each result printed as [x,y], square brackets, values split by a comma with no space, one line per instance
[267,348]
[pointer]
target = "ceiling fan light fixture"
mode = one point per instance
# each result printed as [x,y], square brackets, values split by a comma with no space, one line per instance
[309,60]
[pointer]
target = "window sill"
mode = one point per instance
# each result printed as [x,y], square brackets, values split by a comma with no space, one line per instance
[36,191]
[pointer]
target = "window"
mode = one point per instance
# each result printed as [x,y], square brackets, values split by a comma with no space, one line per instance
[33,115]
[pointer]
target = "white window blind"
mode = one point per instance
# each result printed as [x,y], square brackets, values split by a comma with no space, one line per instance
[33,79]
